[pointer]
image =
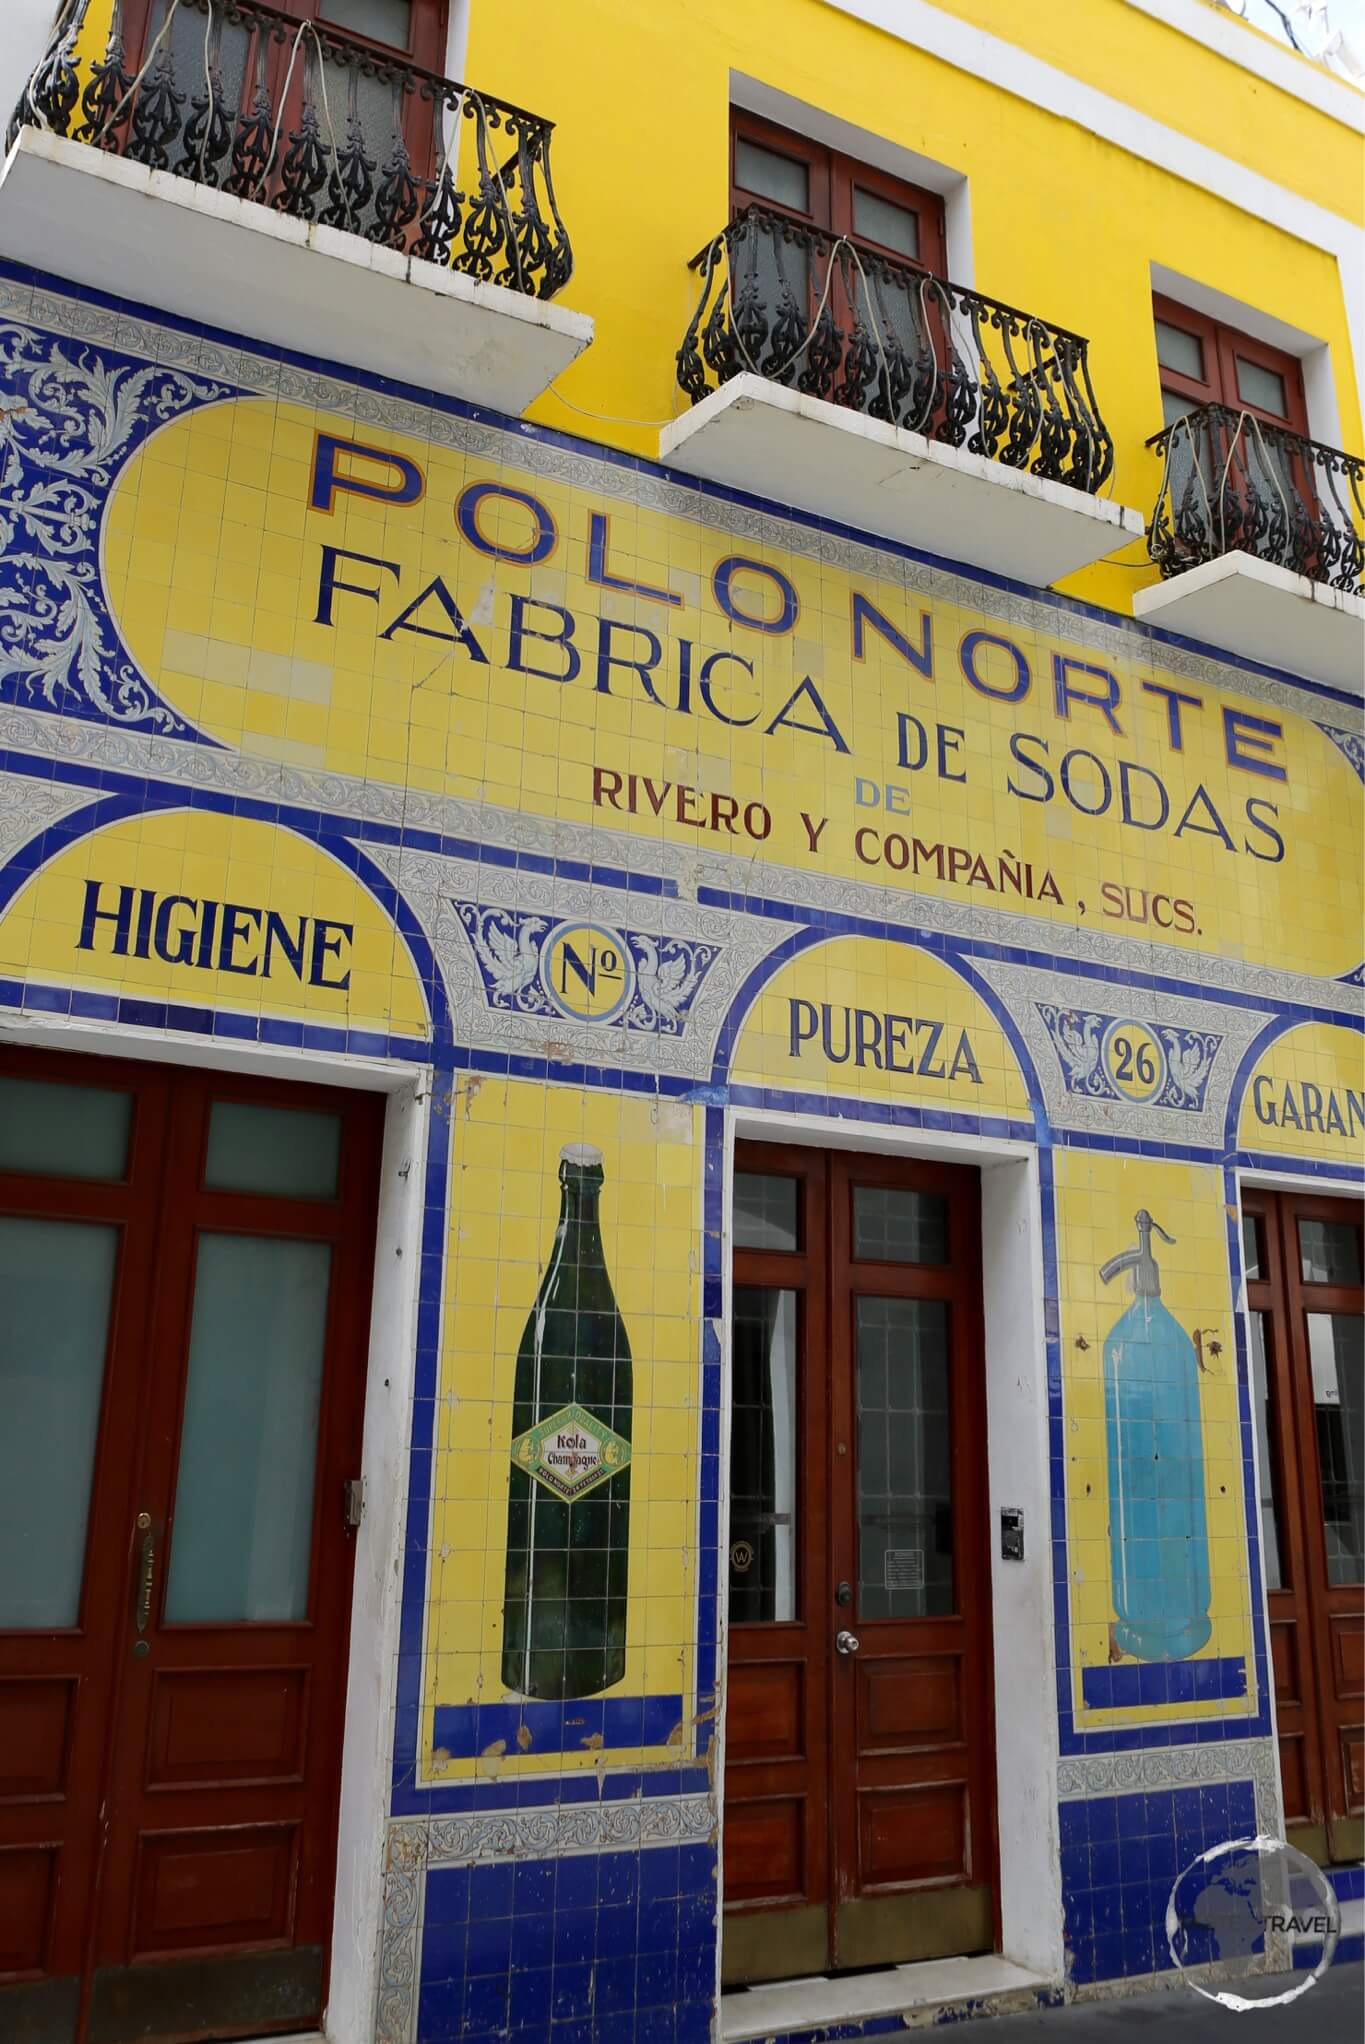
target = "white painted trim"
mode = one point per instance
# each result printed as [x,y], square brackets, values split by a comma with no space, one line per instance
[377,1592]
[367,1735]
[1022,1628]
[457,40]
[1241,43]
[1289,1180]
[865,146]
[1319,385]
[1055,92]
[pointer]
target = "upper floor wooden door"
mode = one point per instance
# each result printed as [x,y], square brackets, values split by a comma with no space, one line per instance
[859,1796]
[1306,1303]
[185,1261]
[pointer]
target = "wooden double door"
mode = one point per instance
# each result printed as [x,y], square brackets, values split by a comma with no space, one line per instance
[859,1773]
[1306,1306]
[184,1304]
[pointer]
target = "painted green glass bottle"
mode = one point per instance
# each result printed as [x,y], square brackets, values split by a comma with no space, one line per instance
[568,1512]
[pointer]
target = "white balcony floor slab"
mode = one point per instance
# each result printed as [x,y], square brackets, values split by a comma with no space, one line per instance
[1243,605]
[919,1989]
[164,241]
[773,442]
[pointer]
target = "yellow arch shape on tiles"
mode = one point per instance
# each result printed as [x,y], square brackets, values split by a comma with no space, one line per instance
[877,1020]
[215,911]
[1306,1097]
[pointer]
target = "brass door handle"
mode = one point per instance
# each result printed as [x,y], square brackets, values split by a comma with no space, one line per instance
[146,1570]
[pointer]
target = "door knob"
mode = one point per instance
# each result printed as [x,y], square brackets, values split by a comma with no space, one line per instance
[845,1643]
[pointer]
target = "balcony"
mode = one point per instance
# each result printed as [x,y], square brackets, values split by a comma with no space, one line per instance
[257,172]
[1258,536]
[865,389]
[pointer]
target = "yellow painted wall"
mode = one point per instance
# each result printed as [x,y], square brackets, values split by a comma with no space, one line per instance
[1063,224]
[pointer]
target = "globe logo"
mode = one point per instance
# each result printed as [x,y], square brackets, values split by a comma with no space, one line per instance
[1256,1912]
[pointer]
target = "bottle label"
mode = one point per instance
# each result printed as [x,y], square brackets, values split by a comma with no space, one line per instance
[571,1452]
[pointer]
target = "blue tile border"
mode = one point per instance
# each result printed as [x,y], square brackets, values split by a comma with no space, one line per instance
[1129,1684]
[597,1723]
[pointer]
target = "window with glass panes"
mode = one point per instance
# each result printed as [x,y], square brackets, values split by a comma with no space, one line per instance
[771,166]
[1203,362]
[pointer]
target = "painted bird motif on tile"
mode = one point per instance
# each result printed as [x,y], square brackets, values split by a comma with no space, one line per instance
[510,958]
[1078,1040]
[1189,1063]
[664,986]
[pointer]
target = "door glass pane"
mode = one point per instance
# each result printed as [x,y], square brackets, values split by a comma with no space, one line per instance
[1266,1448]
[763,1456]
[243,1526]
[1329,1252]
[283,1150]
[1262,387]
[905,1503]
[56,1282]
[1253,1256]
[766,1211]
[892,1225]
[1173,407]
[770,176]
[63,1131]
[881,220]
[1178,350]
[387,21]
[1336,1355]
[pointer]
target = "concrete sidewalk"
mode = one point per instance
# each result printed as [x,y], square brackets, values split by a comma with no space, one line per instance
[1333,2012]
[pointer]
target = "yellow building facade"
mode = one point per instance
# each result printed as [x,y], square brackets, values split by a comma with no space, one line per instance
[681,1099]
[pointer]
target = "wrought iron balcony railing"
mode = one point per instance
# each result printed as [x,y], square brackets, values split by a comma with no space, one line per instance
[888,339]
[1232,483]
[238,96]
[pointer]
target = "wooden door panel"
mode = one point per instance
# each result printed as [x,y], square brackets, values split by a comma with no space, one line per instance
[28,1893]
[210,1728]
[1353,1768]
[765,1849]
[1285,1659]
[908,1703]
[1294,1779]
[36,1719]
[1348,1655]
[765,1712]
[200,1888]
[911,1834]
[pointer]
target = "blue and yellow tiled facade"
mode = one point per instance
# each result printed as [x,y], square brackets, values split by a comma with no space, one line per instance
[347,724]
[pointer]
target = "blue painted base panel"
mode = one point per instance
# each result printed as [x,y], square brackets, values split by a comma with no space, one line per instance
[1122,1855]
[588,1949]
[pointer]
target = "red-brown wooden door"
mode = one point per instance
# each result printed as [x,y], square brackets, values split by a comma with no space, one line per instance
[859,1799]
[186,1267]
[1306,1302]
